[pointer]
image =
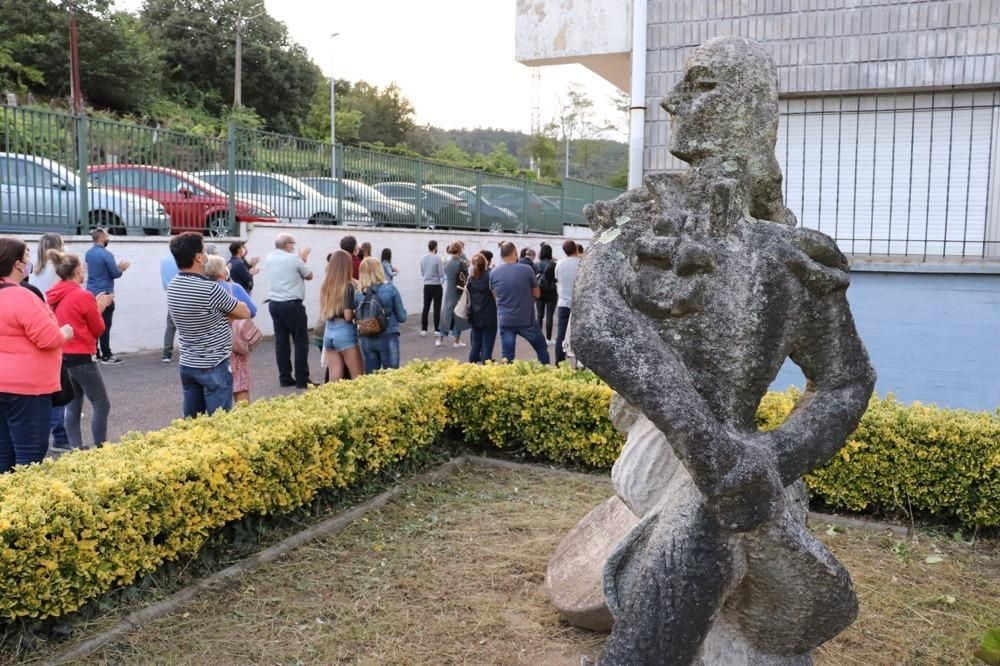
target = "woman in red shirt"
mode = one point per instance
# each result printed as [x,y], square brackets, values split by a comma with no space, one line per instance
[30,343]
[77,307]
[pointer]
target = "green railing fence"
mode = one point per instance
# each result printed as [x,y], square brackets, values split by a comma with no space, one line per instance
[67,173]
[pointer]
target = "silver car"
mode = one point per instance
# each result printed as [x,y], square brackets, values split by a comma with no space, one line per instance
[383,209]
[290,198]
[40,195]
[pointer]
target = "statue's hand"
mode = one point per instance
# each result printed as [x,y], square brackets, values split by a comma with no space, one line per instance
[750,493]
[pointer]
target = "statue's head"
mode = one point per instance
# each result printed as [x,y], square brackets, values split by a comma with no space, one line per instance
[726,104]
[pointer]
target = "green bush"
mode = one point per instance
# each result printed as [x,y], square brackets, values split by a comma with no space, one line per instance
[74,528]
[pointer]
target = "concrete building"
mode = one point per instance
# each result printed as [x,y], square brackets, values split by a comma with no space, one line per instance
[889,141]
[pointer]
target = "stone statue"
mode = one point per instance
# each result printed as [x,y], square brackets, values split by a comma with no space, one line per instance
[695,290]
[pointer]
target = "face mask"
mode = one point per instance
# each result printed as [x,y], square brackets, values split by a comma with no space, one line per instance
[27,267]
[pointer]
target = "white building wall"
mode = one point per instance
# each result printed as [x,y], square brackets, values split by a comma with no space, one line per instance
[140,303]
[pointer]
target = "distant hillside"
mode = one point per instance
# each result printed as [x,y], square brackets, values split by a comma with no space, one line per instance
[595,160]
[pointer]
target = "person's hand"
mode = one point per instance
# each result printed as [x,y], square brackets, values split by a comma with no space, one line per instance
[254,261]
[67,332]
[123,266]
[104,300]
[304,253]
[254,270]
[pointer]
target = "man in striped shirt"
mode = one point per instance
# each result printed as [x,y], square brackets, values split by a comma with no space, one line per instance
[201,310]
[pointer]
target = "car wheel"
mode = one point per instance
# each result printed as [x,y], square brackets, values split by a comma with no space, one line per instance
[379,218]
[323,218]
[217,225]
[106,219]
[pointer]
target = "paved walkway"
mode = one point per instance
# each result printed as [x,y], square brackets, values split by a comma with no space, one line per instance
[146,393]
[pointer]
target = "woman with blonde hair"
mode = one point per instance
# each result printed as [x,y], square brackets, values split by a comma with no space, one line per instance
[382,350]
[43,276]
[217,269]
[336,308]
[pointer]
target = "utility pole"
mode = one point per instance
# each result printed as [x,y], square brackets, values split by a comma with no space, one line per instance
[333,118]
[238,91]
[241,24]
[76,95]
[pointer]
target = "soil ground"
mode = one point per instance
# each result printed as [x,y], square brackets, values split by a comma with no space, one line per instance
[452,573]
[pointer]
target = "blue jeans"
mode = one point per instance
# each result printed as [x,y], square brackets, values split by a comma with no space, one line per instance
[25,421]
[207,389]
[57,427]
[533,334]
[561,333]
[380,351]
[481,345]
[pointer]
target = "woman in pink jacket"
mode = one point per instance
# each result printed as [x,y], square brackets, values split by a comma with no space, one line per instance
[77,307]
[30,345]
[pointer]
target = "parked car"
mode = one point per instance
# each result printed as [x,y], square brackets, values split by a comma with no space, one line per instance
[446,210]
[492,217]
[40,195]
[573,214]
[382,209]
[192,203]
[512,197]
[289,198]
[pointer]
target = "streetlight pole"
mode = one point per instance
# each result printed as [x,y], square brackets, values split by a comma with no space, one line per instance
[333,118]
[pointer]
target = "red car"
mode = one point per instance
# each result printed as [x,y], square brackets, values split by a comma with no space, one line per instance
[193,204]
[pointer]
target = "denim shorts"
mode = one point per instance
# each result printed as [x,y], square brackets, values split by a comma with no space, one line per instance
[340,335]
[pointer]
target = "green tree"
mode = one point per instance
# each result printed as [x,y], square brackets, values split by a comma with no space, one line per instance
[317,122]
[279,80]
[387,116]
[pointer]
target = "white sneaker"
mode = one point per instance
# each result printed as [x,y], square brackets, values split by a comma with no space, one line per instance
[423,334]
[459,344]
[437,342]
[550,343]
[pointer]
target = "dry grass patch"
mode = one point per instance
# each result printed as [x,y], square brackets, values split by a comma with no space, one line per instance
[452,574]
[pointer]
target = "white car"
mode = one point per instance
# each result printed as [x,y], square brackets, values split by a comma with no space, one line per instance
[39,195]
[289,198]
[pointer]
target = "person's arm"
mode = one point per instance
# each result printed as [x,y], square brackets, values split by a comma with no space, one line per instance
[91,312]
[241,294]
[536,291]
[39,323]
[228,304]
[114,272]
[397,304]
[304,270]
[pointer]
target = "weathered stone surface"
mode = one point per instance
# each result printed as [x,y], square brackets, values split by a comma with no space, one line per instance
[575,577]
[695,290]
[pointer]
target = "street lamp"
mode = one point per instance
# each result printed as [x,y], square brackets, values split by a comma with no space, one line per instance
[333,119]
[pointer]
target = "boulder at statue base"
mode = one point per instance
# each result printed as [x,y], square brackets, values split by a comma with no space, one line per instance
[575,577]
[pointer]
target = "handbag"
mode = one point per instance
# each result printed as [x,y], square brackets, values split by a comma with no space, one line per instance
[246,336]
[464,306]
[64,395]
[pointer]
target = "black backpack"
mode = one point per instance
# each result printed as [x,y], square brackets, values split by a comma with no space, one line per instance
[544,283]
[462,278]
[371,317]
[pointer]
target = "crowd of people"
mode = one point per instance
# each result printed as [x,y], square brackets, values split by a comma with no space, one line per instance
[55,332]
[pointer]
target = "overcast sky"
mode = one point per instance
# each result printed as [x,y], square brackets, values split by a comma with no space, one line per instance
[453,59]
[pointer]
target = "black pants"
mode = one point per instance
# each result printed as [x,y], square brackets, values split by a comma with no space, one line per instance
[561,334]
[432,294]
[289,319]
[104,342]
[545,308]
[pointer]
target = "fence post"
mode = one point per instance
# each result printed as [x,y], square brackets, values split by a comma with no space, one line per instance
[418,179]
[338,174]
[562,205]
[479,200]
[231,176]
[82,157]
[524,197]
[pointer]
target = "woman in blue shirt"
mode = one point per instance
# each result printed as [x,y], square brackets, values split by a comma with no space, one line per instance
[382,350]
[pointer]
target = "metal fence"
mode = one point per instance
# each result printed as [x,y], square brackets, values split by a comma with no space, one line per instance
[67,173]
[902,174]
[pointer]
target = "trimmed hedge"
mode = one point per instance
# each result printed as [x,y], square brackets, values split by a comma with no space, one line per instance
[74,528]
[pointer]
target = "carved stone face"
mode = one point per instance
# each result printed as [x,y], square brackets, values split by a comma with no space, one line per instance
[726,103]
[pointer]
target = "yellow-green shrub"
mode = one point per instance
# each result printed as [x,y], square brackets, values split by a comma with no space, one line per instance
[74,528]
[943,462]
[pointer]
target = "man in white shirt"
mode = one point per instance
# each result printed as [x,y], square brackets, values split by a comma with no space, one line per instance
[565,279]
[286,273]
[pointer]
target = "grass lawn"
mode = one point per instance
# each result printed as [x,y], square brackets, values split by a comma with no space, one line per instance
[452,574]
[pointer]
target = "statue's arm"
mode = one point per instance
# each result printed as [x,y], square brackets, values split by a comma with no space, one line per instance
[840,380]
[622,347]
